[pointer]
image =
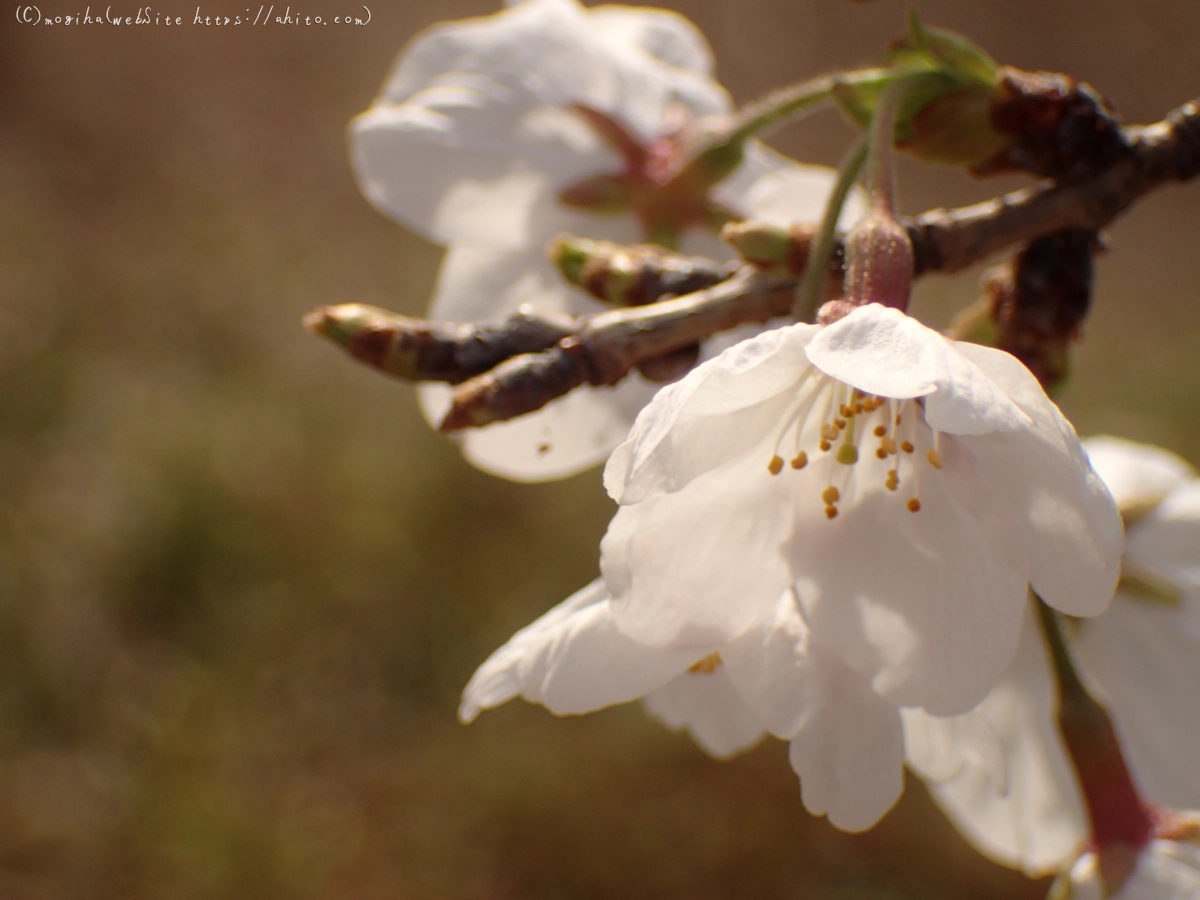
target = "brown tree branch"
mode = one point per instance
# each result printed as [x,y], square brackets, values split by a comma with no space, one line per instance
[519,366]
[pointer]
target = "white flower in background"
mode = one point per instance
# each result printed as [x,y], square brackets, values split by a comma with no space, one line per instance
[846,740]
[1141,657]
[1165,869]
[908,487]
[480,128]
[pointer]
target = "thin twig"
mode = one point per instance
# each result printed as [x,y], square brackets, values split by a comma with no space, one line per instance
[603,348]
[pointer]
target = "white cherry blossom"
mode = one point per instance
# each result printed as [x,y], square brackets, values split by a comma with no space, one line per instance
[1142,657]
[473,138]
[1165,869]
[846,740]
[910,488]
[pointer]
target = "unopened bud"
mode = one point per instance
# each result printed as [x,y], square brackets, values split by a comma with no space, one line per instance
[770,246]
[631,276]
[946,116]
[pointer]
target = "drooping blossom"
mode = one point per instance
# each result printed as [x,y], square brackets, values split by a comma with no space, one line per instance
[486,127]
[908,487]
[1142,657]
[1167,868]
[846,740]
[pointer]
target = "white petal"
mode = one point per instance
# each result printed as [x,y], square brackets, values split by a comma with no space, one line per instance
[470,104]
[572,660]
[1145,658]
[1137,475]
[1166,870]
[716,412]
[847,744]
[711,710]
[698,567]
[1027,813]
[565,437]
[882,351]
[1165,542]
[667,36]
[1040,478]
[921,603]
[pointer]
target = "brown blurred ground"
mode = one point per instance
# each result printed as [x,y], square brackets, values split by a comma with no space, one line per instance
[241,585]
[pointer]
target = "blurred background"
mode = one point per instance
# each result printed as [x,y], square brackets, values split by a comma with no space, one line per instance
[242,584]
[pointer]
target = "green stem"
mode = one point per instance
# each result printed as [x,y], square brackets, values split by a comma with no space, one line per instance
[811,290]
[882,135]
[778,106]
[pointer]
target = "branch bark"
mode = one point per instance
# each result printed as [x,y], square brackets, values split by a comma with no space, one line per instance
[527,361]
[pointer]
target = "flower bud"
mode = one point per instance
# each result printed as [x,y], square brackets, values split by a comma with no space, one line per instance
[771,247]
[946,115]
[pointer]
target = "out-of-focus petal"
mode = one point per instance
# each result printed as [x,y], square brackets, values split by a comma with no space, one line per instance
[1137,475]
[711,709]
[1144,656]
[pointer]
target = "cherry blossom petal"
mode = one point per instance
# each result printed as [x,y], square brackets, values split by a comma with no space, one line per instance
[1137,475]
[572,660]
[1166,870]
[1039,477]
[716,412]
[1165,542]
[1144,656]
[698,567]
[567,436]
[477,100]
[665,35]
[919,603]
[1025,811]
[847,744]
[711,709]
[882,351]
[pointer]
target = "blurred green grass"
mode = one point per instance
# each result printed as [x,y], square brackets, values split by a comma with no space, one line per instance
[241,583]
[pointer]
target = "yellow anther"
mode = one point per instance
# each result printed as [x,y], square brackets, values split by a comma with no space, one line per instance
[847,454]
[831,495]
[898,417]
[914,505]
[935,459]
[858,408]
[824,445]
[906,446]
[775,466]
[881,453]
[829,432]
[800,461]
[888,443]
[708,665]
[840,423]
[831,512]
[893,480]
[880,430]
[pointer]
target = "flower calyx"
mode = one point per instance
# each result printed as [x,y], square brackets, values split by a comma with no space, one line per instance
[666,182]
[946,114]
